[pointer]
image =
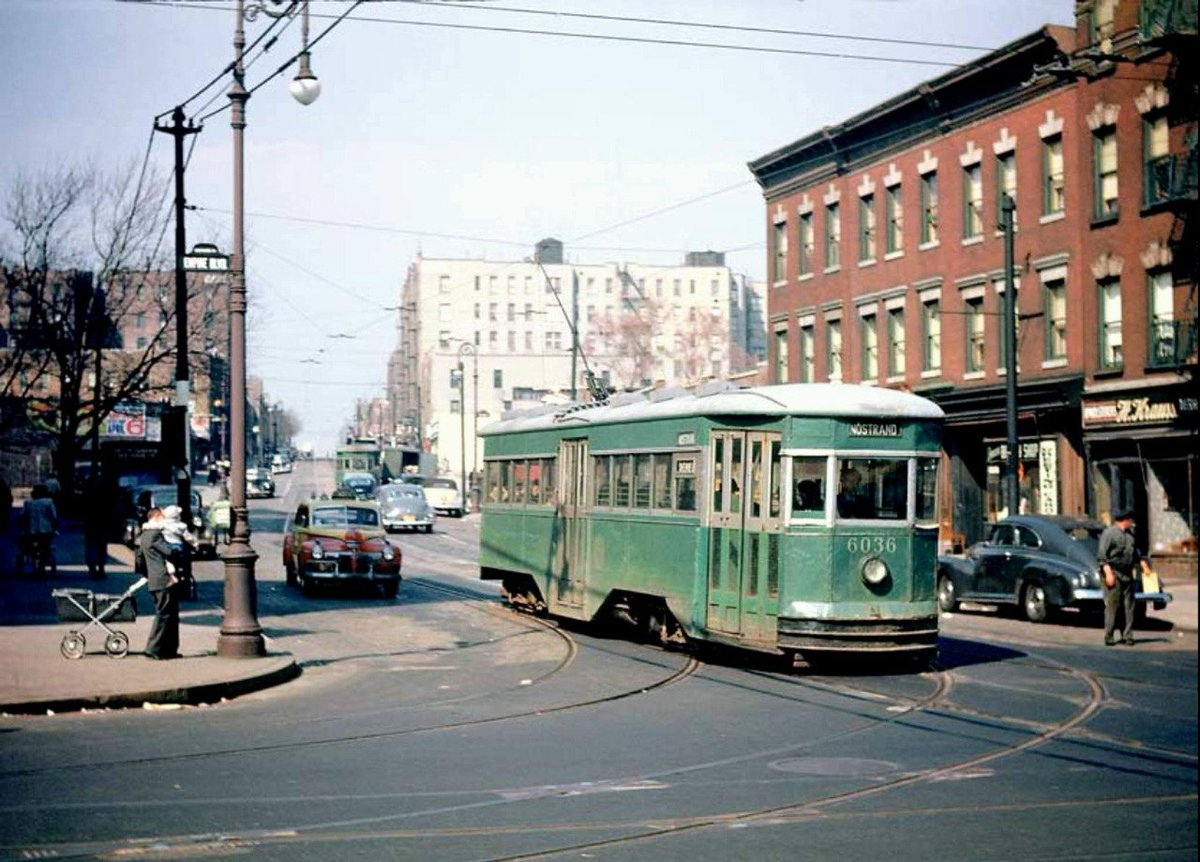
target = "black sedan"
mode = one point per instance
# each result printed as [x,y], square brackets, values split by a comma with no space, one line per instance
[1040,562]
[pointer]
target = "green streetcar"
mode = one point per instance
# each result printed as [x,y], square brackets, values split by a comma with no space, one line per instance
[798,519]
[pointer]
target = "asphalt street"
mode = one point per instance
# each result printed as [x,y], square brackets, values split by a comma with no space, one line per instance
[444,726]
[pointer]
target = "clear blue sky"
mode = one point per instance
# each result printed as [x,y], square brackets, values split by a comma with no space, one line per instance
[470,140]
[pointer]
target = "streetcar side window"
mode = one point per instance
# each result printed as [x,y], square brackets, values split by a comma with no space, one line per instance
[519,471]
[602,479]
[685,484]
[927,473]
[776,472]
[808,486]
[662,481]
[718,472]
[492,469]
[534,494]
[642,476]
[548,480]
[623,474]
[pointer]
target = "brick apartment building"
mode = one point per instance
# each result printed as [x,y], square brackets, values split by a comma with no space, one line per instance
[886,266]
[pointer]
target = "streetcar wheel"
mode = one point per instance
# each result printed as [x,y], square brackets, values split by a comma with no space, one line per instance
[946,598]
[1034,603]
[117,645]
[73,645]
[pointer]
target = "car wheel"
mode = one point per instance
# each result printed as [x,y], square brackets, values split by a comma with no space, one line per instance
[429,528]
[307,587]
[1033,602]
[389,589]
[289,572]
[946,597]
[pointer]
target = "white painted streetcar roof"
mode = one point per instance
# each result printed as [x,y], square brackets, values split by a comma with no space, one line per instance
[842,400]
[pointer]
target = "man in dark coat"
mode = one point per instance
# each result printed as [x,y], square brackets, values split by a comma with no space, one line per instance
[1118,559]
[155,551]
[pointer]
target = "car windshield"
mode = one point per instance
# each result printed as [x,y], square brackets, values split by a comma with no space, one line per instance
[345,516]
[403,492]
[442,483]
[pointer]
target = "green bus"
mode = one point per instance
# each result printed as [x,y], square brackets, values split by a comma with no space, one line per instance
[795,519]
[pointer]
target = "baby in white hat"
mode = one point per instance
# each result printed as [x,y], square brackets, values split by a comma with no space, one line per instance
[175,532]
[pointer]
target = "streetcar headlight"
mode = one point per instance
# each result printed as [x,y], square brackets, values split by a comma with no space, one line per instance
[318,553]
[875,571]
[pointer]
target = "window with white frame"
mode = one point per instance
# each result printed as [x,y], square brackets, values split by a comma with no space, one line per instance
[1158,164]
[972,201]
[870,347]
[779,252]
[833,237]
[804,261]
[1006,185]
[1054,293]
[976,331]
[895,220]
[931,334]
[1105,172]
[807,353]
[833,346]
[929,208]
[781,356]
[1054,195]
[866,228]
[896,357]
[1111,352]
[1162,318]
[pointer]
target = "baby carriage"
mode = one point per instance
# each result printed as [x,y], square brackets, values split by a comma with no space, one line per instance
[99,610]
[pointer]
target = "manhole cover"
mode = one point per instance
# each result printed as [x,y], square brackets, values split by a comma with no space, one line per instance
[835,766]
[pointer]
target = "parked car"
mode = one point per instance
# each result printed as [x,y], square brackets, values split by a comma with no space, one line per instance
[404,507]
[259,483]
[340,542]
[443,493]
[360,485]
[147,497]
[1042,563]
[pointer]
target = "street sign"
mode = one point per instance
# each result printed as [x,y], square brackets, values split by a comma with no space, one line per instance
[206,262]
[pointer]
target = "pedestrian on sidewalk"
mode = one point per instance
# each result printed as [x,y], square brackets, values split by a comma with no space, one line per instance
[95,532]
[156,553]
[1119,558]
[40,522]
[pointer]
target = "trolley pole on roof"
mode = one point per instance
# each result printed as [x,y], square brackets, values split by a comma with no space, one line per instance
[1013,485]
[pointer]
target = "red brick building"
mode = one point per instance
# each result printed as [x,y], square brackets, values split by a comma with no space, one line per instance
[886,265]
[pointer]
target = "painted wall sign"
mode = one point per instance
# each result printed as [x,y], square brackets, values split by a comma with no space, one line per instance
[1138,411]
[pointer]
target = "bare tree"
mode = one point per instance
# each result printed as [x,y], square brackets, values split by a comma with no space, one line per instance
[81,252]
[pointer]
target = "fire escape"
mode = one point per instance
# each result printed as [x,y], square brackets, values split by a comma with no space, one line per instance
[1171,181]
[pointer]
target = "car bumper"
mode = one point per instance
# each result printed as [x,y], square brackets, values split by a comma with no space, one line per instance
[350,568]
[402,522]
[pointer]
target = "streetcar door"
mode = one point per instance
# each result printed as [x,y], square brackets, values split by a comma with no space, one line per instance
[727,479]
[762,526]
[570,558]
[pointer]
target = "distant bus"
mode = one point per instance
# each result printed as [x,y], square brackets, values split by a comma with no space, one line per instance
[361,456]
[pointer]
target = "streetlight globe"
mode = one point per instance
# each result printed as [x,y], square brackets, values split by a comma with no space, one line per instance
[305,88]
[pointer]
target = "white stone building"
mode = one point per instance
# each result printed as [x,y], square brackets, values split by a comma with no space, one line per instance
[509,324]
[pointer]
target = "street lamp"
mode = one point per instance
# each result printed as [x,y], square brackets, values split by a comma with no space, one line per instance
[241,635]
[465,349]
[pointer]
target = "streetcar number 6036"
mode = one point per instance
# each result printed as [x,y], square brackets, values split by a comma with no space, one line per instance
[871,544]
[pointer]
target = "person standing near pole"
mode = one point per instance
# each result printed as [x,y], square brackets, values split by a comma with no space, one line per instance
[156,552]
[1118,558]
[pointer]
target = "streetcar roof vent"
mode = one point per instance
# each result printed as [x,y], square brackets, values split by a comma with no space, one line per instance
[716,387]
[667,393]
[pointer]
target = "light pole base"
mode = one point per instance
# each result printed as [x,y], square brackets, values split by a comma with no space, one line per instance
[241,635]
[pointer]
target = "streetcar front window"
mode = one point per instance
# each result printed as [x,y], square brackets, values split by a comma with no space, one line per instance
[808,486]
[872,489]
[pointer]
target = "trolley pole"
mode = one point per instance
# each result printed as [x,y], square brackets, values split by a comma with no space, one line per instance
[1013,490]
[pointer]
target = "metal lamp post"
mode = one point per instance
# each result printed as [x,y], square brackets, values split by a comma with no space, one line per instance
[241,635]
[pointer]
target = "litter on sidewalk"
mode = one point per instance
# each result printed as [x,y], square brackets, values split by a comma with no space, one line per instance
[97,609]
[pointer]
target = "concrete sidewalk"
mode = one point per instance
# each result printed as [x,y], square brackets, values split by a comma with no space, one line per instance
[36,678]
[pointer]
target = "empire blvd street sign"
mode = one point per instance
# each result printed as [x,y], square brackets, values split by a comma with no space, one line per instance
[206,262]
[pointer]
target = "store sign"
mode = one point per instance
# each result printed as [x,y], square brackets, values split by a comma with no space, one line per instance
[127,420]
[1138,411]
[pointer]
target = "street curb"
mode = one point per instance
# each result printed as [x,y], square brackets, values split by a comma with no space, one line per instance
[284,669]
